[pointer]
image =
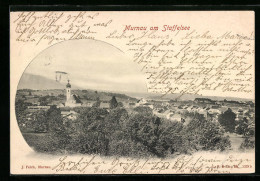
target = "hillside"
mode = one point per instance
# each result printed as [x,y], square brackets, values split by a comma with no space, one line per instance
[184,97]
[85,95]
[36,82]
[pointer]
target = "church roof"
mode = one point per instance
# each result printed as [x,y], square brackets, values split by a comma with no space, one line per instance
[74,98]
[68,85]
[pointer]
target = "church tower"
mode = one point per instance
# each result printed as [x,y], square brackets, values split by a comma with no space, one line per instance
[68,90]
[72,100]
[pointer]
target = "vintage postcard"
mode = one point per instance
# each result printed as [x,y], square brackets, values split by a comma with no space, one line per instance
[132,92]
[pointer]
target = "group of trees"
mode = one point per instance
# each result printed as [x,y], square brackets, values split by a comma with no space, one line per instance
[139,134]
[203,134]
[242,127]
[112,103]
[45,100]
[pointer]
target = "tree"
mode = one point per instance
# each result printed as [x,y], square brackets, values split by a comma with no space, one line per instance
[55,122]
[117,116]
[143,110]
[61,96]
[202,134]
[242,126]
[43,101]
[159,138]
[57,132]
[113,103]
[120,104]
[40,123]
[96,104]
[90,136]
[248,143]
[57,139]
[227,120]
[20,107]
[21,112]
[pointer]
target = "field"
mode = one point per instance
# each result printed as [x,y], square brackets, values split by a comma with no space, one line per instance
[235,140]
[37,139]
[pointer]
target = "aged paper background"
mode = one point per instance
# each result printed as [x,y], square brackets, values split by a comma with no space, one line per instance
[153,50]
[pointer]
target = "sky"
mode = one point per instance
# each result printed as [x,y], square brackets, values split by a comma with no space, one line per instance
[90,64]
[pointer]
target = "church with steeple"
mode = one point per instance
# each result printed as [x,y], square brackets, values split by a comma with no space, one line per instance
[72,100]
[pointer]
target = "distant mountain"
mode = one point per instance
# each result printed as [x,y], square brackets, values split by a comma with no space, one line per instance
[184,97]
[37,82]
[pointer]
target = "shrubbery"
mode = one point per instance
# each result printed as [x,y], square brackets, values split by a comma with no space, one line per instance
[143,110]
[202,134]
[248,131]
[97,131]
[248,143]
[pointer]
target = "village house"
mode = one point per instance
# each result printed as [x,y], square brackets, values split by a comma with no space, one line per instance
[131,104]
[69,115]
[89,103]
[36,108]
[175,117]
[204,101]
